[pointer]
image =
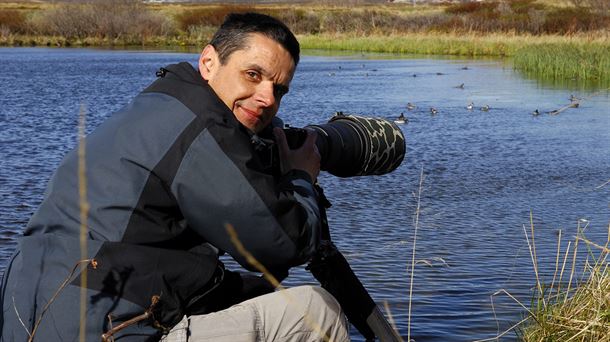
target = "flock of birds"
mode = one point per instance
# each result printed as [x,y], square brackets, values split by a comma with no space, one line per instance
[402,119]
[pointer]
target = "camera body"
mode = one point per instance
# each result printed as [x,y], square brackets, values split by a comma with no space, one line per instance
[295,137]
[354,145]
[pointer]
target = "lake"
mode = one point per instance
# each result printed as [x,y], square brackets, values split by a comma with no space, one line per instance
[484,172]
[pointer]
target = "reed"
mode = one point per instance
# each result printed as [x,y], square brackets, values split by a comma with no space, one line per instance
[579,314]
[566,61]
[583,57]
[562,312]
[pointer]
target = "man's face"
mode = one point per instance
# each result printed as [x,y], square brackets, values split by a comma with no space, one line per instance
[252,81]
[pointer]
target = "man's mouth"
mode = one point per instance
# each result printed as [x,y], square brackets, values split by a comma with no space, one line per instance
[251,114]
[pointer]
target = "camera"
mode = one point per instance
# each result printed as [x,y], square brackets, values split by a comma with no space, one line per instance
[354,145]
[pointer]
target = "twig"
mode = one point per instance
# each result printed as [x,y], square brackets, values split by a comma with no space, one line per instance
[93,263]
[603,248]
[19,318]
[270,278]
[421,182]
[513,298]
[109,335]
[495,317]
[505,331]
[111,326]
[249,257]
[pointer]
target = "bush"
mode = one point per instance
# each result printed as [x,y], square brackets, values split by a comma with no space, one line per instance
[12,21]
[525,16]
[301,21]
[524,6]
[298,20]
[108,19]
[471,7]
[213,16]
[574,19]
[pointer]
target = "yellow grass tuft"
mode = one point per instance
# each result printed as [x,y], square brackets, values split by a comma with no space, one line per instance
[581,313]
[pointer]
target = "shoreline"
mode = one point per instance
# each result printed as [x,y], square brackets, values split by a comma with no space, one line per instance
[583,56]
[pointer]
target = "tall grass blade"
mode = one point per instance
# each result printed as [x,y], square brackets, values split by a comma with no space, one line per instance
[556,266]
[417,211]
[84,211]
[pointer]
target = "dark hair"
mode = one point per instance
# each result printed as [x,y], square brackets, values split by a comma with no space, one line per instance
[232,34]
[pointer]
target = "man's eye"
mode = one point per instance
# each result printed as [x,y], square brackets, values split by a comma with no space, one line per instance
[252,74]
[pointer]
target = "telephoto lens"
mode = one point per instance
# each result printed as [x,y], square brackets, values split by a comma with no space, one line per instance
[354,145]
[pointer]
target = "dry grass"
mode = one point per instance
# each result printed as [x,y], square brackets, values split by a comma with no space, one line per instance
[413,262]
[575,306]
[521,16]
[84,218]
[578,314]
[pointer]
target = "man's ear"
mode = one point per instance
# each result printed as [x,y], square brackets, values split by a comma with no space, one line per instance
[208,62]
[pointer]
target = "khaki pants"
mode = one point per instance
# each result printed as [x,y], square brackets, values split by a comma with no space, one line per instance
[304,313]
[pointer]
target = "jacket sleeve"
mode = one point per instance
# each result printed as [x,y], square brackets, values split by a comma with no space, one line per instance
[298,211]
[277,222]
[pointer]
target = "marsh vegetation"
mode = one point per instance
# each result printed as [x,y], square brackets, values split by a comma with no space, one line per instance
[562,40]
[574,305]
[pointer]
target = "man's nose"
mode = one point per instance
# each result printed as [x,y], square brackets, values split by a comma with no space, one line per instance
[265,94]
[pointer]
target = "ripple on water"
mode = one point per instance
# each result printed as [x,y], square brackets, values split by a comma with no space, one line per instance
[483,171]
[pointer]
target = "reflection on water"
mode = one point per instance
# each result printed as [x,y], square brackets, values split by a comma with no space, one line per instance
[574,84]
[484,172]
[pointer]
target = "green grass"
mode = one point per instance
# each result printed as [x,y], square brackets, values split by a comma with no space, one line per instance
[549,57]
[432,44]
[566,61]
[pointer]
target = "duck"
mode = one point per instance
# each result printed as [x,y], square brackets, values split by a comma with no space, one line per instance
[411,106]
[401,119]
[433,110]
[461,86]
[485,108]
[470,106]
[573,98]
[536,112]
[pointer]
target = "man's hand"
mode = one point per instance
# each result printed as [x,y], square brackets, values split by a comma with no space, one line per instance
[306,157]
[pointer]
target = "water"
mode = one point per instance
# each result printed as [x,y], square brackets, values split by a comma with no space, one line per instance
[484,172]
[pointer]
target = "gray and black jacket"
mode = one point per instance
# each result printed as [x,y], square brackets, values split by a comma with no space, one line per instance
[164,177]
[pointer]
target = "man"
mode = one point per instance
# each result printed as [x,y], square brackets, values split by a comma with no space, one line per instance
[166,175]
